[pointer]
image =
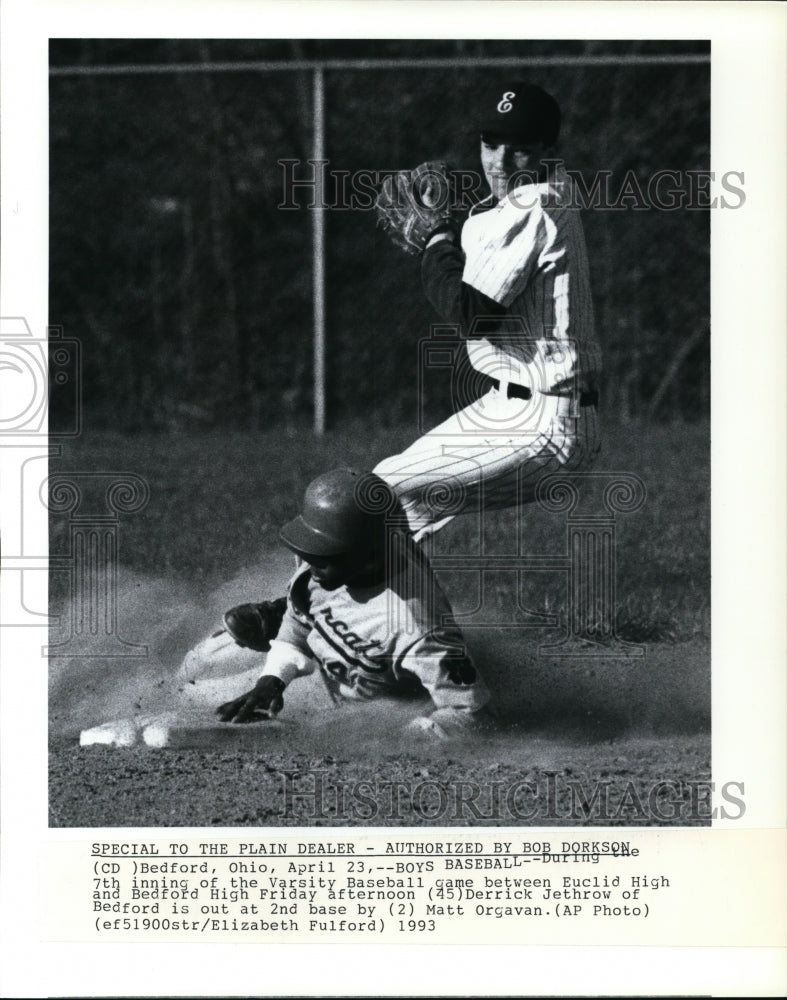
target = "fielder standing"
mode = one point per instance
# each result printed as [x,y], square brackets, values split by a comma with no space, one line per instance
[515,281]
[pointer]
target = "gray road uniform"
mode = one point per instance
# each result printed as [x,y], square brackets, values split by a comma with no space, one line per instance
[375,639]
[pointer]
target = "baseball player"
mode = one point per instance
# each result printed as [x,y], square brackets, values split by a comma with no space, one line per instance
[515,281]
[364,609]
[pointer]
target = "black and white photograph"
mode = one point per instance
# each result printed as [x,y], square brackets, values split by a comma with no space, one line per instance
[392,449]
[382,487]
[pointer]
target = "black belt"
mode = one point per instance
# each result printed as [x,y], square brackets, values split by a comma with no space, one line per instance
[514,391]
[588,397]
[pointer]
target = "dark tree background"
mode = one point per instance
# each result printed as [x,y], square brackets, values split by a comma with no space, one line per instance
[190,289]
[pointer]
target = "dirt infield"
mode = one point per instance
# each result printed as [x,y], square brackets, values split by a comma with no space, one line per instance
[585,741]
[618,743]
[514,780]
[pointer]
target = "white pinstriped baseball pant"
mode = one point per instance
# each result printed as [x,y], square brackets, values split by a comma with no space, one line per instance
[490,456]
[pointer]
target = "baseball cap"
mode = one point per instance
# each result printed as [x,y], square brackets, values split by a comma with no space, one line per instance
[522,111]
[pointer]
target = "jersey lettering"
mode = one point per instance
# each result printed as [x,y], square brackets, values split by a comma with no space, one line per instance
[356,642]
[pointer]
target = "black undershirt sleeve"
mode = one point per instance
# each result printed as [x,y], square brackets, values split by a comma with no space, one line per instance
[442,266]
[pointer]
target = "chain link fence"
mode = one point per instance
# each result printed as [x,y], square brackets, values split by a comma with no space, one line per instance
[191,287]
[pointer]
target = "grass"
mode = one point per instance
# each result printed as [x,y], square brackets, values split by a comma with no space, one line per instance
[217,501]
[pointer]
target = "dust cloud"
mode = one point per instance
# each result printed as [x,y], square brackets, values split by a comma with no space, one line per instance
[594,698]
[169,618]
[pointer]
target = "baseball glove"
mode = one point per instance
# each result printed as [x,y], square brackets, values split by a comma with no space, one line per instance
[413,205]
[253,626]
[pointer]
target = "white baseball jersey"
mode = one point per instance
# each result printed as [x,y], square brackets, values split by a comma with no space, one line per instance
[527,254]
[375,640]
